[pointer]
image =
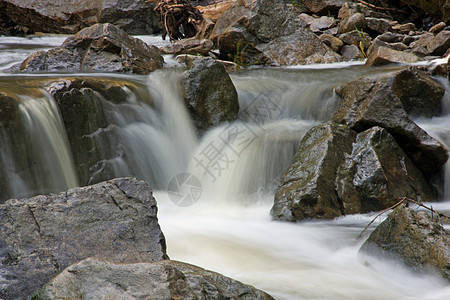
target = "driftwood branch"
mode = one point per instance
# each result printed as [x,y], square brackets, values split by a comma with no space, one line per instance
[380,8]
[403,200]
[180,18]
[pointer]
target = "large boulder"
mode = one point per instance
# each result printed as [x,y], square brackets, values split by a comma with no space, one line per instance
[83,103]
[307,190]
[62,16]
[386,55]
[440,44]
[41,236]
[268,32]
[419,93]
[96,279]
[100,48]
[210,95]
[416,238]
[377,173]
[371,102]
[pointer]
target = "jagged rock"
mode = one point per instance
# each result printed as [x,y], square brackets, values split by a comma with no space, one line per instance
[210,95]
[377,173]
[62,16]
[324,7]
[415,238]
[440,43]
[82,103]
[420,46]
[332,42]
[96,279]
[351,52]
[385,55]
[420,94]
[378,25]
[437,28]
[307,190]
[188,46]
[268,32]
[369,102]
[41,236]
[356,21]
[101,47]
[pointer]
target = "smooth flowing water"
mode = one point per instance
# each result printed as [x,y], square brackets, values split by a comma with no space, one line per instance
[220,219]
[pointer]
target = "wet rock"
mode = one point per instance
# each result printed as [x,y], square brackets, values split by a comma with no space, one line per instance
[268,32]
[379,26]
[385,55]
[351,52]
[437,28]
[307,190]
[440,43]
[93,279]
[377,173]
[331,41]
[356,21]
[188,60]
[324,7]
[61,16]
[369,102]
[210,95]
[420,94]
[101,48]
[191,46]
[41,236]
[415,238]
[82,103]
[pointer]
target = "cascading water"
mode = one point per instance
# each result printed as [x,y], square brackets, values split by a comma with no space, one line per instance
[228,228]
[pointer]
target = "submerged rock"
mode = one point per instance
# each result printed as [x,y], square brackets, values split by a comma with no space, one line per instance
[369,102]
[96,279]
[377,173]
[210,95]
[99,48]
[268,32]
[83,102]
[415,238]
[307,190]
[41,236]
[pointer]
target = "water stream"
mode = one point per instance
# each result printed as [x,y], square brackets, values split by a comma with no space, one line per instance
[227,227]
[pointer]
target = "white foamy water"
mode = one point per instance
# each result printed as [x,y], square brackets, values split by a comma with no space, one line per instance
[238,165]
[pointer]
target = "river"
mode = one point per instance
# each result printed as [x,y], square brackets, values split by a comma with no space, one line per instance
[222,221]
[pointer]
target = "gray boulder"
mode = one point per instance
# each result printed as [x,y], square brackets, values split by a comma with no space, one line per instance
[307,190]
[100,48]
[415,238]
[351,52]
[267,32]
[62,16]
[41,236]
[420,94]
[210,95]
[96,279]
[369,102]
[377,173]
